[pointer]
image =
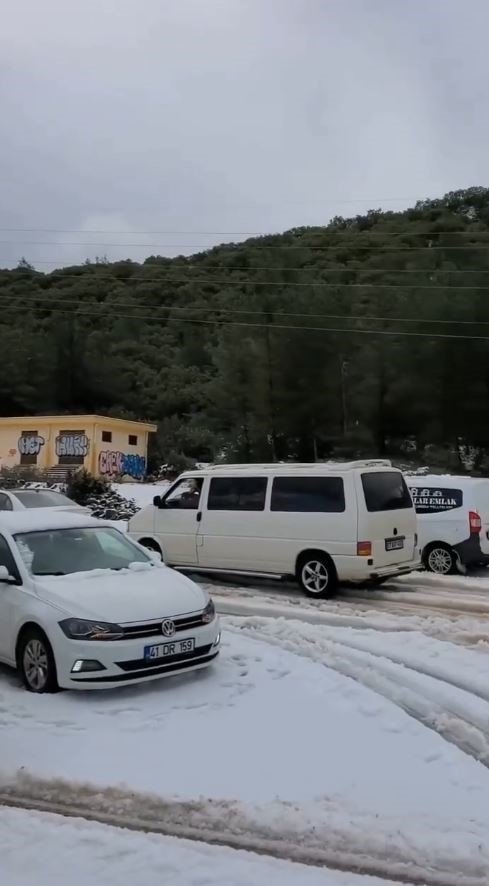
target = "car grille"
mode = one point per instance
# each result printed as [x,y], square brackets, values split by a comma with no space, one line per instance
[141,664]
[153,629]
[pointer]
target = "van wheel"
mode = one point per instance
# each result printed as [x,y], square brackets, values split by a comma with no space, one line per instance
[440,559]
[316,575]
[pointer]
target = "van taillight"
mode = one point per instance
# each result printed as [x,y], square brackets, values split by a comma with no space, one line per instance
[364,548]
[475,522]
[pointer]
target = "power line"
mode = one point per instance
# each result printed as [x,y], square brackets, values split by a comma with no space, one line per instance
[226,282]
[209,247]
[100,267]
[220,310]
[308,229]
[277,326]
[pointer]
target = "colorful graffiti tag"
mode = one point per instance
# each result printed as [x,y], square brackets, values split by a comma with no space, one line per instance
[119,464]
[73,445]
[30,444]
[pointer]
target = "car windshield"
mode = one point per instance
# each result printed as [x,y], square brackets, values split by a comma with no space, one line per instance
[64,551]
[42,498]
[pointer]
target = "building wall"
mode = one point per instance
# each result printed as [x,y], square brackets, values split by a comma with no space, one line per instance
[104,446]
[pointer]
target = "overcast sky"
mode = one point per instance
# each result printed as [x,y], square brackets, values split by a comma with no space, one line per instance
[229,116]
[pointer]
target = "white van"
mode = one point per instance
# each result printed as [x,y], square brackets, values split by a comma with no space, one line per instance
[453,521]
[321,523]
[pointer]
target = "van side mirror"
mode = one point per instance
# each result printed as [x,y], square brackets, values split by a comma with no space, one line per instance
[5,577]
[157,501]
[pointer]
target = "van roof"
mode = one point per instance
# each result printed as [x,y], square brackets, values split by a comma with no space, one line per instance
[442,480]
[291,467]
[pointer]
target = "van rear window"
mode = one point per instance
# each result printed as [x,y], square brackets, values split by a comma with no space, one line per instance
[435,499]
[385,491]
[316,495]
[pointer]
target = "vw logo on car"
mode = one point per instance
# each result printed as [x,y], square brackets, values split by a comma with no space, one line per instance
[168,627]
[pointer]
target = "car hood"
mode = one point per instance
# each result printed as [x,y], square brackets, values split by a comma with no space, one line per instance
[140,593]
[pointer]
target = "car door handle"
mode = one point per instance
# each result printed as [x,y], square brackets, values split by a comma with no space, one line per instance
[199,516]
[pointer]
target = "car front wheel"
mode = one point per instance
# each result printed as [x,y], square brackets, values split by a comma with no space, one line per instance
[440,559]
[36,662]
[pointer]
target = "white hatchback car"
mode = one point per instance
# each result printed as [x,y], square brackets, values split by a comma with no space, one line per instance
[37,497]
[83,606]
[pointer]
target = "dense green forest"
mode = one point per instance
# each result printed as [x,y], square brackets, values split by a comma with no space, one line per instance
[367,336]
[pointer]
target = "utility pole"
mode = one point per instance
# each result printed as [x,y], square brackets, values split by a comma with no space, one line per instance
[344,375]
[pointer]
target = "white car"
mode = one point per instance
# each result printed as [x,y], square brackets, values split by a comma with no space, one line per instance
[82,606]
[33,497]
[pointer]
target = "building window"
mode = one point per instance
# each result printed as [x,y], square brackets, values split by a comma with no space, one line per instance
[106,436]
[30,444]
[133,440]
[72,447]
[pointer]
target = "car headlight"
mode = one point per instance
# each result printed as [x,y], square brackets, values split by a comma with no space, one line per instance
[81,629]
[209,613]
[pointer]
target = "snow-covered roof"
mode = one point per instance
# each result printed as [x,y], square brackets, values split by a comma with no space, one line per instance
[39,519]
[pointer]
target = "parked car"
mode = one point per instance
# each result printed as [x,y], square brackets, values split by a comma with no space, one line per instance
[453,521]
[20,499]
[84,607]
[322,523]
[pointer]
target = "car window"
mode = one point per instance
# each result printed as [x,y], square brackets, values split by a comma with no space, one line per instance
[185,494]
[434,500]
[237,494]
[42,498]
[64,551]
[7,559]
[5,503]
[308,495]
[385,491]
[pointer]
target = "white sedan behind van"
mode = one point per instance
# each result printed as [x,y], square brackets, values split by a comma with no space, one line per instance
[84,607]
[320,523]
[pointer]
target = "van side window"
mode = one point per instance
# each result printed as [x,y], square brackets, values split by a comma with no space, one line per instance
[323,495]
[237,494]
[385,491]
[435,500]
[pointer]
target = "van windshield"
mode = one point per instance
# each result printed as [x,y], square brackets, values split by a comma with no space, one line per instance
[385,491]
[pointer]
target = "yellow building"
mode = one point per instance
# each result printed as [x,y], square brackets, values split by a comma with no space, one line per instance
[107,447]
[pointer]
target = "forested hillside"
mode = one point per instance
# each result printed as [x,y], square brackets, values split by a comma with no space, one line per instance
[352,338]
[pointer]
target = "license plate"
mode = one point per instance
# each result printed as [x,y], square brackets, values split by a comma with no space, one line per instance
[165,650]
[394,544]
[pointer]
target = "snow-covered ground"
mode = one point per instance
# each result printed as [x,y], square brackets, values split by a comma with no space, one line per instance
[52,851]
[302,735]
[141,493]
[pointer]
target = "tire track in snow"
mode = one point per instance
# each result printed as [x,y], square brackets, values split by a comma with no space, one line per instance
[457,715]
[343,840]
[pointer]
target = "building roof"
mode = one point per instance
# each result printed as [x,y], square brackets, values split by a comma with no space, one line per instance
[66,420]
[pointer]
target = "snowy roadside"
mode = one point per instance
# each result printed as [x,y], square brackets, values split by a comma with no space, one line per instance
[81,853]
[362,785]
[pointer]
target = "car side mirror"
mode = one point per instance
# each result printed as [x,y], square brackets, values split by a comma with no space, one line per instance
[5,577]
[157,501]
[155,555]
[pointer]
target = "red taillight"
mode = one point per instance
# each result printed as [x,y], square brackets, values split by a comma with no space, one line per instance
[475,522]
[364,548]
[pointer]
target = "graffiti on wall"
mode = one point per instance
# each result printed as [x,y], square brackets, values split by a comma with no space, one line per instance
[74,445]
[30,444]
[118,464]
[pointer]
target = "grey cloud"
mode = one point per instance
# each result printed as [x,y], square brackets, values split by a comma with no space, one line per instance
[229,115]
